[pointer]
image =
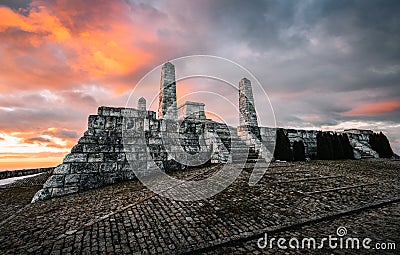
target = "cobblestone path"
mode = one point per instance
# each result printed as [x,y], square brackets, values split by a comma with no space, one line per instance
[128,218]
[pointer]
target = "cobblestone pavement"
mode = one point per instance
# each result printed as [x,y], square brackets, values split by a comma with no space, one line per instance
[381,225]
[17,195]
[128,218]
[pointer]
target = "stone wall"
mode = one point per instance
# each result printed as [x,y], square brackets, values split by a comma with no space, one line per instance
[23,172]
[309,138]
[191,110]
[359,140]
[121,139]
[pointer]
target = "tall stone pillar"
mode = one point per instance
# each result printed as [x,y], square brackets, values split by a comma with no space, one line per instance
[167,99]
[141,104]
[247,110]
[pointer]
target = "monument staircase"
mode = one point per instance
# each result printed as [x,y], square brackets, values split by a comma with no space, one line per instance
[242,151]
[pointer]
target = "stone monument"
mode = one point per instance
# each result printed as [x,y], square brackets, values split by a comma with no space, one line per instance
[119,140]
[167,108]
[141,104]
[247,111]
[192,110]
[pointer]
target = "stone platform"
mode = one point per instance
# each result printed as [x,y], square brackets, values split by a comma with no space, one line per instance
[292,200]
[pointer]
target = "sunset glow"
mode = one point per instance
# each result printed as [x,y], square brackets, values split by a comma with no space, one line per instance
[61,59]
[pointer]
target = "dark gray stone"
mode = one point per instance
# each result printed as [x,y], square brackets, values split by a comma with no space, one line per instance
[75,157]
[77,168]
[96,157]
[62,169]
[55,181]
[72,179]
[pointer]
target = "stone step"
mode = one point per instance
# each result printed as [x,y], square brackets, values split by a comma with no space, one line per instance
[247,160]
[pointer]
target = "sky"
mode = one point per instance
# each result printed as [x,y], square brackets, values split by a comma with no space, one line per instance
[326,65]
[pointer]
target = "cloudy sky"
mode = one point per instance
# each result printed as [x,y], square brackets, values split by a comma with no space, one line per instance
[325,64]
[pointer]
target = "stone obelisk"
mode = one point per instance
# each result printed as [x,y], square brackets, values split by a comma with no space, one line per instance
[247,110]
[141,104]
[167,108]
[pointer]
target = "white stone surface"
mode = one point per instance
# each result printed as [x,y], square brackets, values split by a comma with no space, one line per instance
[13,179]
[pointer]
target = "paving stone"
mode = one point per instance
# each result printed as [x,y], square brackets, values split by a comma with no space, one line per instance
[128,218]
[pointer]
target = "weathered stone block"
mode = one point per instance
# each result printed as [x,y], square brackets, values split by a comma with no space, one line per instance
[90,181]
[129,175]
[100,132]
[110,122]
[75,157]
[131,156]
[91,148]
[56,192]
[111,157]
[77,148]
[130,123]
[95,157]
[72,179]
[87,140]
[106,148]
[89,132]
[110,178]
[139,125]
[142,156]
[96,121]
[128,112]
[118,124]
[151,115]
[103,140]
[115,111]
[108,167]
[55,181]
[42,194]
[105,111]
[77,168]
[70,190]
[134,139]
[100,110]
[62,169]
[123,166]
[119,148]
[121,157]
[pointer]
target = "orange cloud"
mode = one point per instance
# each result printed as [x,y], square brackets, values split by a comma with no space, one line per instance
[38,148]
[376,108]
[61,59]
[59,43]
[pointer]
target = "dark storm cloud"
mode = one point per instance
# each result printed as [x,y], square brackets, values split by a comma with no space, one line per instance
[15,4]
[258,23]
[318,60]
[375,24]
[368,30]
[37,140]
[61,133]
